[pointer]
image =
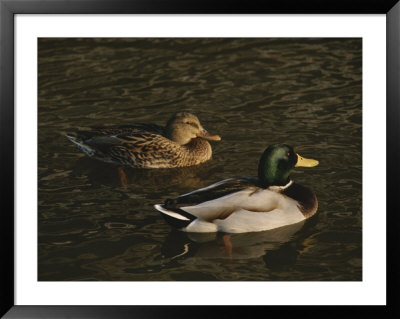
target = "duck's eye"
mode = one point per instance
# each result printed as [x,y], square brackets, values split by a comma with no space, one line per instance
[192,124]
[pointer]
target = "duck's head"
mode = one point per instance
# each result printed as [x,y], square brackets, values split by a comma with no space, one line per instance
[184,126]
[276,163]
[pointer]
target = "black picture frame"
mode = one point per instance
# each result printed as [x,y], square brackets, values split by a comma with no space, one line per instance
[8,10]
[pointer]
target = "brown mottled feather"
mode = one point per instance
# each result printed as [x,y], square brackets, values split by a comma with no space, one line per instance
[142,146]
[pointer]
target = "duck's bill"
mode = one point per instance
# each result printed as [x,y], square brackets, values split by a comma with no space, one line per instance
[208,136]
[305,162]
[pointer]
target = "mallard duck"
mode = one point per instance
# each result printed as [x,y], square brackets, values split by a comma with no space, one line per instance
[182,142]
[247,204]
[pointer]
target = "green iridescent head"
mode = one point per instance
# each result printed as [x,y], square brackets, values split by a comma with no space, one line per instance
[276,163]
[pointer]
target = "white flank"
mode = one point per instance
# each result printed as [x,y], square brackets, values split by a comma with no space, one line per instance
[243,221]
[250,211]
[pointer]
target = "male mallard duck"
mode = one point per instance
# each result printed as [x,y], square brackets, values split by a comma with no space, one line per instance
[247,204]
[181,143]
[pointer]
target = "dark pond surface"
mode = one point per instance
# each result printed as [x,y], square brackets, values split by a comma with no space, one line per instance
[252,92]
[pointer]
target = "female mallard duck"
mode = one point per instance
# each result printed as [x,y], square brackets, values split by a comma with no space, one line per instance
[247,204]
[181,143]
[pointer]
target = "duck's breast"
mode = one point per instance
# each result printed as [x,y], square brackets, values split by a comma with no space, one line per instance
[197,151]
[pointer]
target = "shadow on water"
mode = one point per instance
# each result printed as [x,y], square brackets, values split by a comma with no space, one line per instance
[212,245]
[278,248]
[100,173]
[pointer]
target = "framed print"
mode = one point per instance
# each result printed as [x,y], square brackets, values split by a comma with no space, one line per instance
[170,159]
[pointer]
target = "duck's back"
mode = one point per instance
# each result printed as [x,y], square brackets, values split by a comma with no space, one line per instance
[118,130]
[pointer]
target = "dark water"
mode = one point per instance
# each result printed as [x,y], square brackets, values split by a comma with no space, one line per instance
[252,92]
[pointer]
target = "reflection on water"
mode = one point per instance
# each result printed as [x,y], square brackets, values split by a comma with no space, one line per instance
[146,179]
[244,246]
[96,220]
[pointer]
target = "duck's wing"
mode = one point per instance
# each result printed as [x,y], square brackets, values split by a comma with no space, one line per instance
[121,130]
[217,201]
[213,191]
[138,149]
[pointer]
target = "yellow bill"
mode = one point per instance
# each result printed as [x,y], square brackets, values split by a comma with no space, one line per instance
[305,162]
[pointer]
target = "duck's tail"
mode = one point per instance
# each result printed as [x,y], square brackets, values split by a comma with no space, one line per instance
[81,144]
[176,217]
